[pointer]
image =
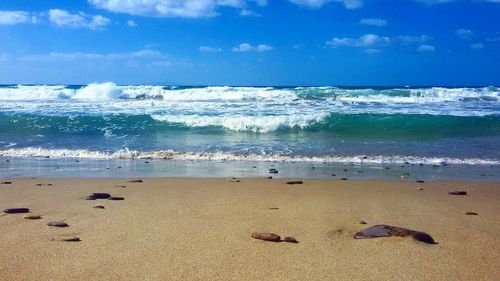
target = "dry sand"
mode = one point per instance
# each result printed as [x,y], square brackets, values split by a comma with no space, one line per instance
[199,229]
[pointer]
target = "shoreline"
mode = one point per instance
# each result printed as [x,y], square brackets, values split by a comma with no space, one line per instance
[153,168]
[200,229]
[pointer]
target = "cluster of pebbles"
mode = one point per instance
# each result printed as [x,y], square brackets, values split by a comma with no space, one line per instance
[62,224]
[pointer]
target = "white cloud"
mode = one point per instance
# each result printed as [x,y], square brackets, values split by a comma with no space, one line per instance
[81,20]
[426,48]
[173,8]
[62,56]
[131,23]
[413,39]
[16,17]
[373,22]
[465,34]
[365,41]
[349,4]
[248,13]
[209,49]
[477,46]
[245,47]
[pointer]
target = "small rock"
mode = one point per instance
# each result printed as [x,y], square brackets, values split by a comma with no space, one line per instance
[389,231]
[471,213]
[362,222]
[457,193]
[116,198]
[273,171]
[290,239]
[66,238]
[334,175]
[420,188]
[6,182]
[32,217]
[100,195]
[269,178]
[58,224]
[420,181]
[136,181]
[16,210]
[99,207]
[344,179]
[294,182]
[274,208]
[266,236]
[233,180]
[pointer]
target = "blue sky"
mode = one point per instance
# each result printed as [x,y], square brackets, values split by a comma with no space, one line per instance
[251,42]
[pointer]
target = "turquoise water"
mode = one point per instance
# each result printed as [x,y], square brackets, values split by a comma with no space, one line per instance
[434,125]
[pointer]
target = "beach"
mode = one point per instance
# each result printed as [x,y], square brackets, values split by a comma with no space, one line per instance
[200,229]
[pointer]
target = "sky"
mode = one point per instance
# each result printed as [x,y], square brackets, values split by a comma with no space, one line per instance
[251,42]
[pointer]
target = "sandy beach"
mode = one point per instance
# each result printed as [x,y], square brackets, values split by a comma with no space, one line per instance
[199,229]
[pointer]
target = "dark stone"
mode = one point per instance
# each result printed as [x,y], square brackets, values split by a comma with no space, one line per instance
[136,181]
[382,230]
[146,162]
[16,210]
[334,175]
[420,181]
[471,213]
[273,171]
[274,208]
[121,186]
[6,182]
[100,195]
[294,182]
[266,236]
[32,217]
[362,222]
[270,178]
[99,207]
[457,193]
[344,179]
[71,239]
[116,198]
[58,224]
[290,239]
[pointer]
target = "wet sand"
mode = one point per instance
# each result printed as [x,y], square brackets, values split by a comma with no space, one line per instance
[199,229]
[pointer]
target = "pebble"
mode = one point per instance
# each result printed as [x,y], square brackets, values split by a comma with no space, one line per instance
[32,217]
[136,181]
[58,224]
[290,239]
[344,179]
[457,193]
[420,181]
[100,195]
[116,198]
[274,208]
[362,222]
[6,182]
[471,213]
[99,207]
[294,182]
[389,231]
[16,210]
[67,238]
[266,236]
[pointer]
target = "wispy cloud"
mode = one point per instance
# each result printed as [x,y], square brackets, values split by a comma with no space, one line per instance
[349,4]
[465,34]
[374,22]
[207,49]
[17,17]
[80,20]
[131,23]
[477,46]
[175,8]
[364,41]
[426,48]
[77,56]
[245,48]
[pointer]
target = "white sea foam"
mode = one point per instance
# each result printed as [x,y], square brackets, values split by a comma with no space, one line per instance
[257,124]
[222,156]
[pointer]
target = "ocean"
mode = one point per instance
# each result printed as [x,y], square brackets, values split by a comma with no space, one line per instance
[314,126]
